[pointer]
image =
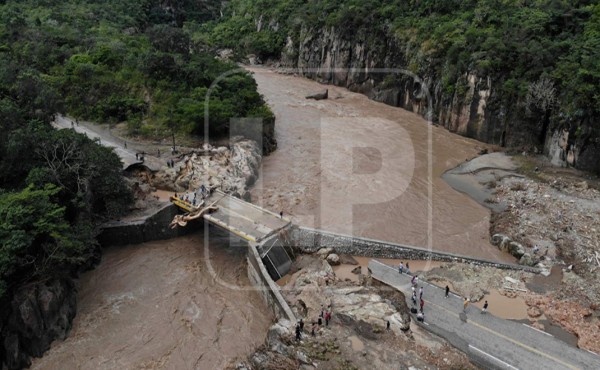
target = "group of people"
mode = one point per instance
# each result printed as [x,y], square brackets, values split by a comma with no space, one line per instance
[203,191]
[401,268]
[418,297]
[324,316]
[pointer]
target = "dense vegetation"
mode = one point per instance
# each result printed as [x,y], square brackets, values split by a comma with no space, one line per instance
[126,61]
[103,60]
[540,52]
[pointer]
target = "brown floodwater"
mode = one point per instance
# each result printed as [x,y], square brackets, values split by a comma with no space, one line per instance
[155,305]
[355,166]
[344,271]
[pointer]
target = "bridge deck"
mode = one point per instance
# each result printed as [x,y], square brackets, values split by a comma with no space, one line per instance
[244,219]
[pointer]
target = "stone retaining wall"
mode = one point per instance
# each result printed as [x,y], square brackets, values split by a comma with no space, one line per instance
[153,227]
[266,287]
[311,240]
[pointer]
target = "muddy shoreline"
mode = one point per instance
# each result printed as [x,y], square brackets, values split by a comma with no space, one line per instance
[552,214]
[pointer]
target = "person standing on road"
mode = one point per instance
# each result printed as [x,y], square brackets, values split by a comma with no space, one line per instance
[422,304]
[407,268]
[400,268]
[465,304]
[447,291]
[421,293]
[414,298]
[485,307]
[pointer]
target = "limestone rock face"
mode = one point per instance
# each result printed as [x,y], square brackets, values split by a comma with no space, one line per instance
[39,314]
[330,55]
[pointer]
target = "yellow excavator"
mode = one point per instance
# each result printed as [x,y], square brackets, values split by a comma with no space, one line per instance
[194,212]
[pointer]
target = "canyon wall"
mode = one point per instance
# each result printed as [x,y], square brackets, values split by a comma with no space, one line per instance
[474,108]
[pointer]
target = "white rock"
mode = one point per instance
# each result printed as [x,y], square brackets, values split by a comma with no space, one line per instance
[333,259]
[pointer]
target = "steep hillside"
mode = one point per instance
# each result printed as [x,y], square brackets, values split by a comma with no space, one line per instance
[521,74]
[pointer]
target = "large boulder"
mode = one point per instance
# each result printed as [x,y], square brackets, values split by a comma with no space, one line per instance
[516,249]
[333,259]
[324,252]
[319,96]
[501,241]
[496,239]
[527,260]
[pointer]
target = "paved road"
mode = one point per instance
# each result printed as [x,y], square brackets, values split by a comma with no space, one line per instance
[489,341]
[127,155]
[244,219]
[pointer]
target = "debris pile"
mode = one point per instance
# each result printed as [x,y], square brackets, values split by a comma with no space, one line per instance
[232,169]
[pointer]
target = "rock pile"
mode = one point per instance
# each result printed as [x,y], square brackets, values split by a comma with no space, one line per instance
[232,169]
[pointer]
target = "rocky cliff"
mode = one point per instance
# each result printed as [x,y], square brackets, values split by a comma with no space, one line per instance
[474,108]
[38,314]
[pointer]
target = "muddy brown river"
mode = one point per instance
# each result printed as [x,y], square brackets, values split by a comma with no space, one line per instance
[156,306]
[355,166]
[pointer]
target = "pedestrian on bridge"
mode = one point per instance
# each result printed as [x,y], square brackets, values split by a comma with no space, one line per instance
[400,268]
[422,304]
[414,298]
[447,291]
[407,268]
[465,304]
[485,307]
[298,335]
[421,293]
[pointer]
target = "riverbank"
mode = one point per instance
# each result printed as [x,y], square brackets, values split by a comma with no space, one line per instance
[357,336]
[548,218]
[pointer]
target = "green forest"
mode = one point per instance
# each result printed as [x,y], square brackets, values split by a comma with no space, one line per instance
[108,61]
[516,42]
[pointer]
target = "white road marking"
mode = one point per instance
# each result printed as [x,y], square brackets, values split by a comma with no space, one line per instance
[536,329]
[495,358]
[593,353]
